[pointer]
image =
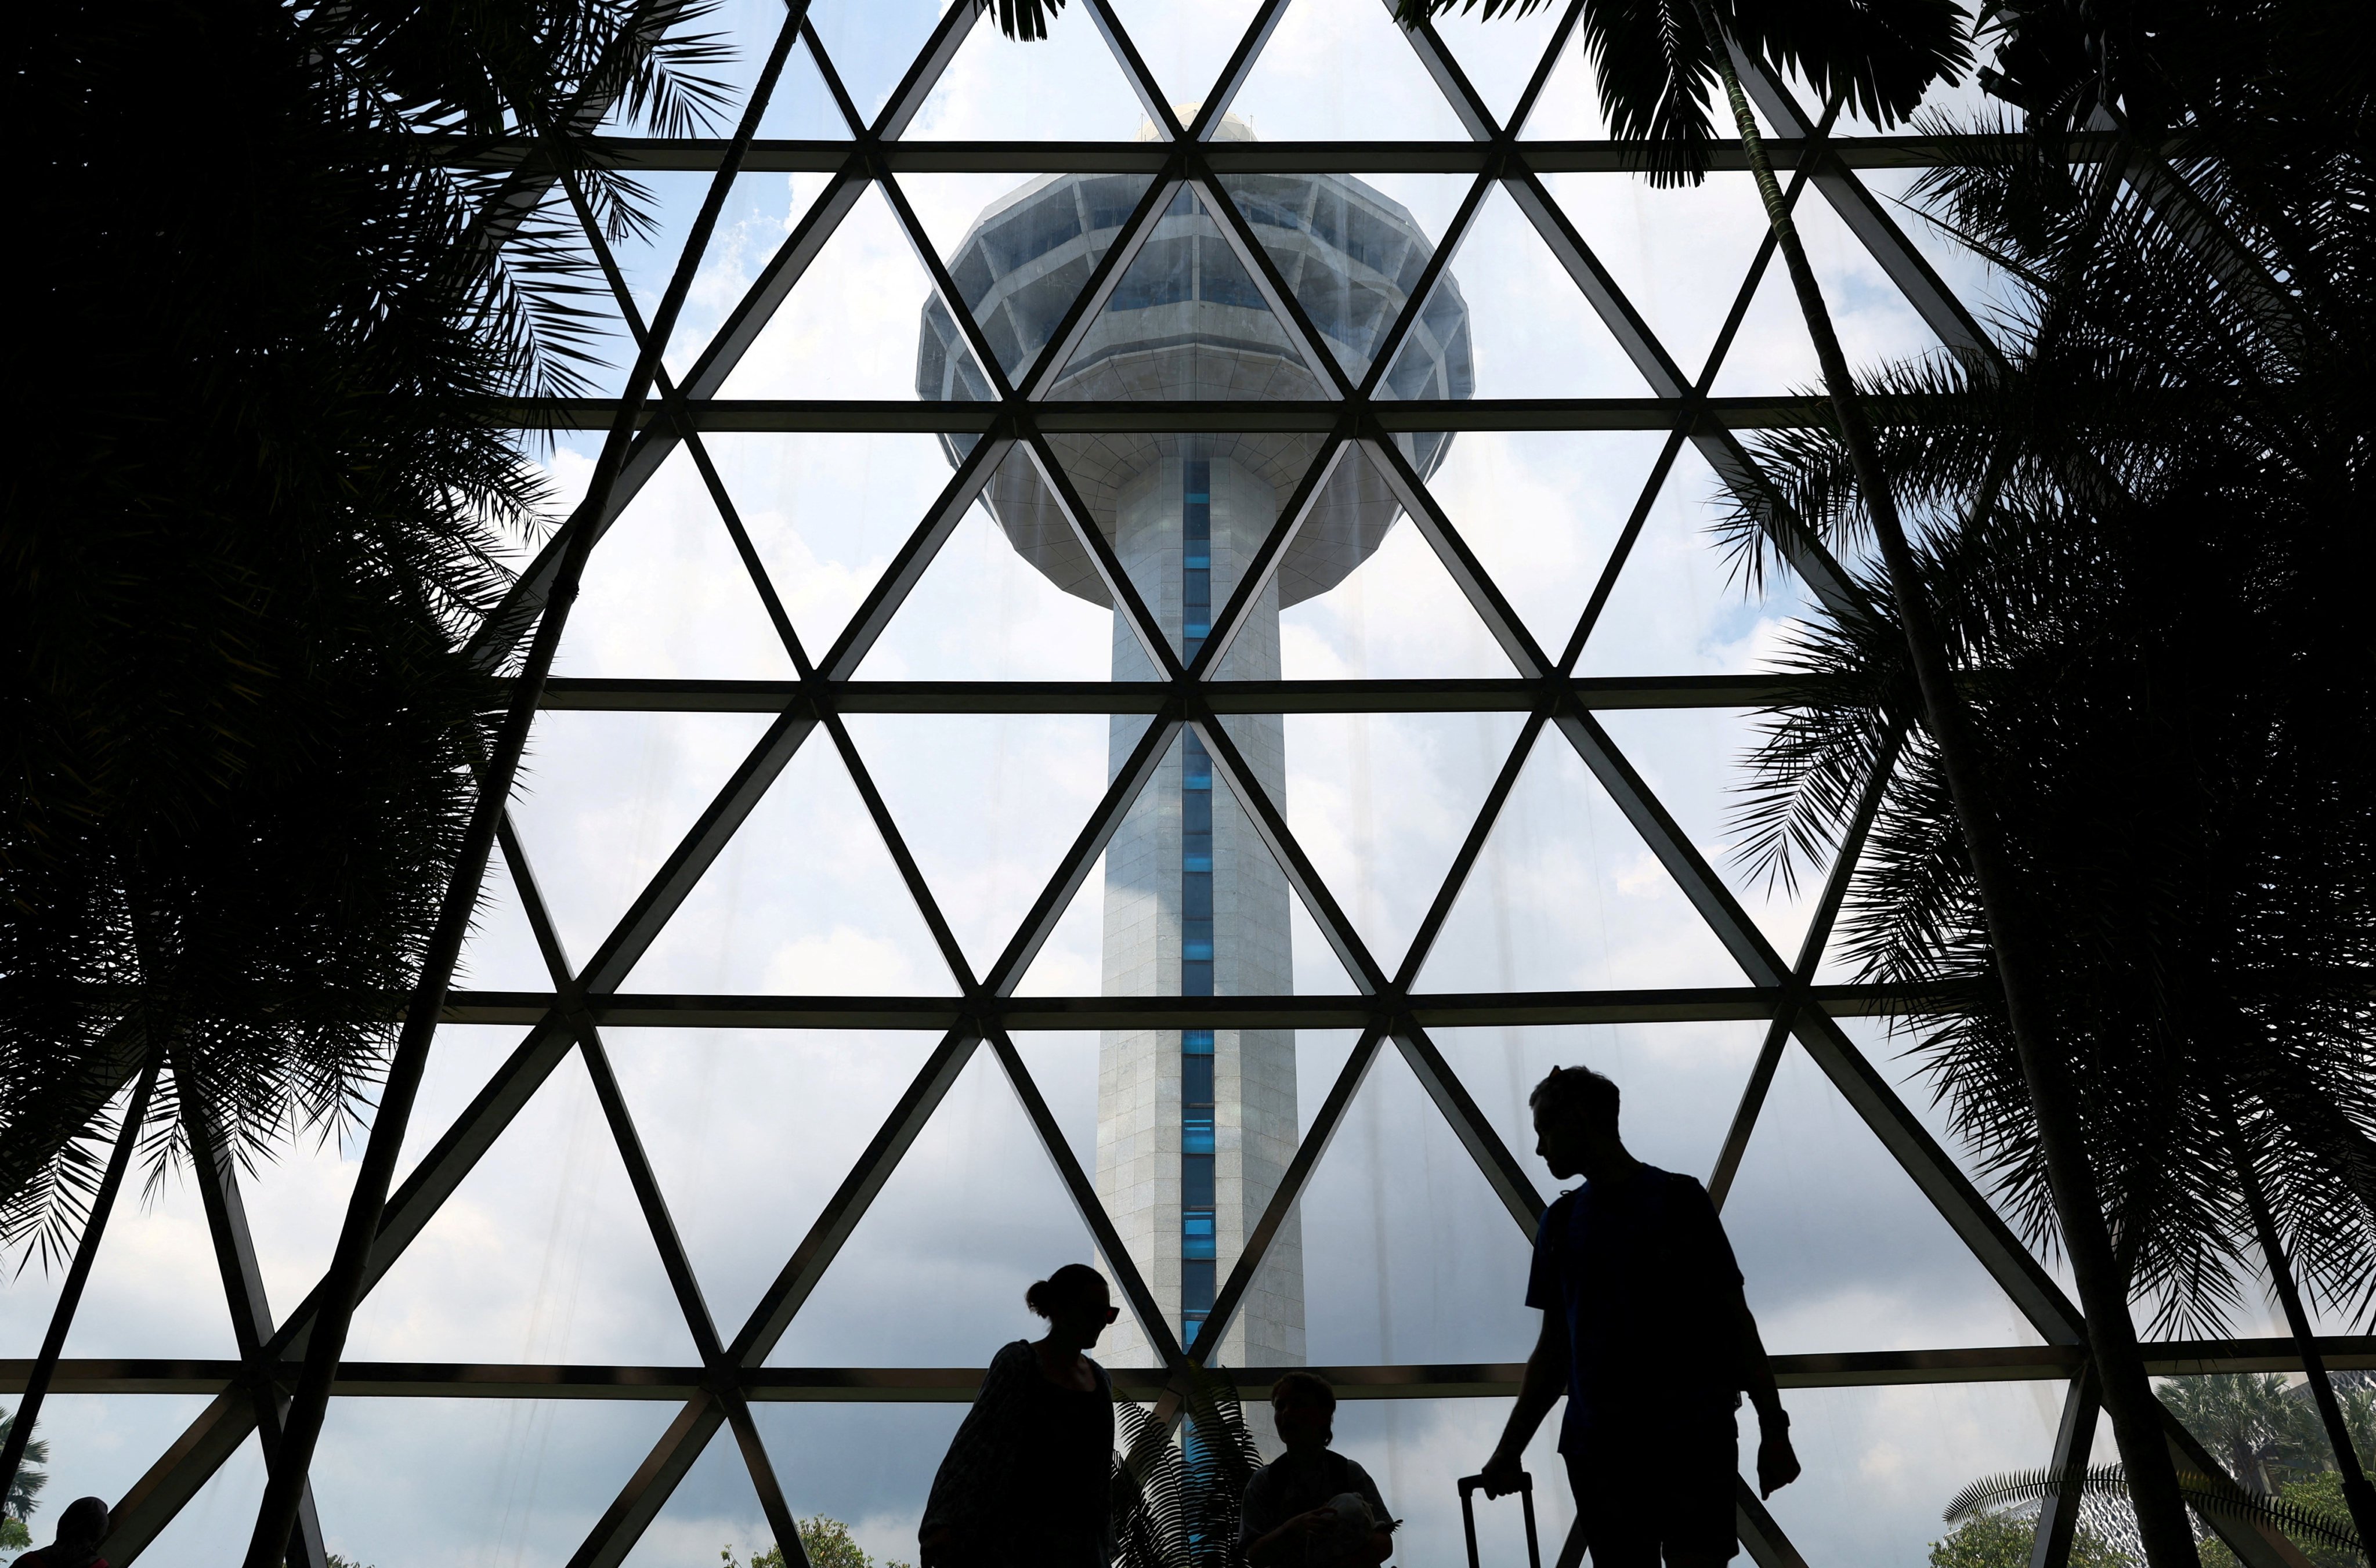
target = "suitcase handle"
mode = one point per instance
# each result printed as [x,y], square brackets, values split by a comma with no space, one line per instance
[1468,1489]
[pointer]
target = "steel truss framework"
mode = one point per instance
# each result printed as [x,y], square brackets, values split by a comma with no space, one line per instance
[1354,426]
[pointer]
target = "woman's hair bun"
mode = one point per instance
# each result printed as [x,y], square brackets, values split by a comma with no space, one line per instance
[1068,1285]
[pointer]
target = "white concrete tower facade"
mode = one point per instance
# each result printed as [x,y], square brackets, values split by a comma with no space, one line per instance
[1196,1127]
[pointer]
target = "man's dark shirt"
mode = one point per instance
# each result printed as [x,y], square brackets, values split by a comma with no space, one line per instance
[1642,1275]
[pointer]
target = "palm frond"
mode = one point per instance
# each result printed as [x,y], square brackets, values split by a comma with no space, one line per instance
[2211,1496]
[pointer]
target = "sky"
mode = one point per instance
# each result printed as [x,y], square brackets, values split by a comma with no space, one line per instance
[541,1256]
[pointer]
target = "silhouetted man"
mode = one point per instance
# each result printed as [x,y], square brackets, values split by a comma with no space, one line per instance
[1647,1333]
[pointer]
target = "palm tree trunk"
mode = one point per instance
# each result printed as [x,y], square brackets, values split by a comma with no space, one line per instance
[2358,1494]
[2103,1288]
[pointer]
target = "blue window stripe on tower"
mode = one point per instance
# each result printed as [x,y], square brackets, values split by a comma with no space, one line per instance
[1198,1253]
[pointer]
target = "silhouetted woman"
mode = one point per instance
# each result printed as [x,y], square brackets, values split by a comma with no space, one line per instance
[1025,1480]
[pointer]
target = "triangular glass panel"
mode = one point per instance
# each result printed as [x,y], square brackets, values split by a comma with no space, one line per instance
[562,461]
[1680,1083]
[1679,607]
[1398,616]
[1382,801]
[1019,254]
[759,216]
[1071,962]
[802,108]
[1569,106]
[295,1202]
[1680,254]
[1541,510]
[1186,322]
[1011,595]
[1186,46]
[1065,87]
[501,953]
[1407,1257]
[750,1131]
[1350,253]
[1991,296]
[1186,516]
[154,1289]
[973,1213]
[1498,55]
[225,1504]
[469,1480]
[101,1444]
[461,1061]
[1065,1067]
[1891,1460]
[1318,971]
[604,798]
[1838,1245]
[1696,760]
[1193,902]
[827,512]
[648,251]
[988,805]
[1566,897]
[1506,320]
[667,596]
[805,899]
[1341,70]
[1876,324]
[872,44]
[714,1509]
[845,328]
[866,1466]
[1193,1132]
[541,1254]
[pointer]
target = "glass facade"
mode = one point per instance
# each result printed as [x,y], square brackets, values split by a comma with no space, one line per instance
[896,977]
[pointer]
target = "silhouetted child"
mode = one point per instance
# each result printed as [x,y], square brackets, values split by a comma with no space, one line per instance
[81,1527]
[1312,1507]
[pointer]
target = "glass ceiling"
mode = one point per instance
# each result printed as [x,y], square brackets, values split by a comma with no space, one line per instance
[829,830]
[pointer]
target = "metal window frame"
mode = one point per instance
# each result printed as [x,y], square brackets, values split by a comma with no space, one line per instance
[586,999]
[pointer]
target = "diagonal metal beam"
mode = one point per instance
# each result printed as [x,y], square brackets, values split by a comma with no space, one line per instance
[1236,69]
[216,1171]
[1083,1194]
[1802,974]
[2074,1440]
[1991,1239]
[94,1230]
[674,1260]
[1283,1198]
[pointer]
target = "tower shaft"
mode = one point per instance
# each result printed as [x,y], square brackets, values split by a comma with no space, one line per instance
[1196,1127]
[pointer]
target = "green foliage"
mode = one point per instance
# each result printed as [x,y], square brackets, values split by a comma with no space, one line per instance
[2002,1541]
[26,1489]
[334,1561]
[1172,1497]
[14,1536]
[2258,1429]
[2319,1495]
[827,1541]
[235,722]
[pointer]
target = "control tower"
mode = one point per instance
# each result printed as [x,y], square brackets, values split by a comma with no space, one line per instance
[1196,1126]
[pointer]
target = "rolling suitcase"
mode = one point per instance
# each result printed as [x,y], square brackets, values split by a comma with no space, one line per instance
[1469,1488]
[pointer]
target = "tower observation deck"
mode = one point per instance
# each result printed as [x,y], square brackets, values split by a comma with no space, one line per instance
[1196,1127]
